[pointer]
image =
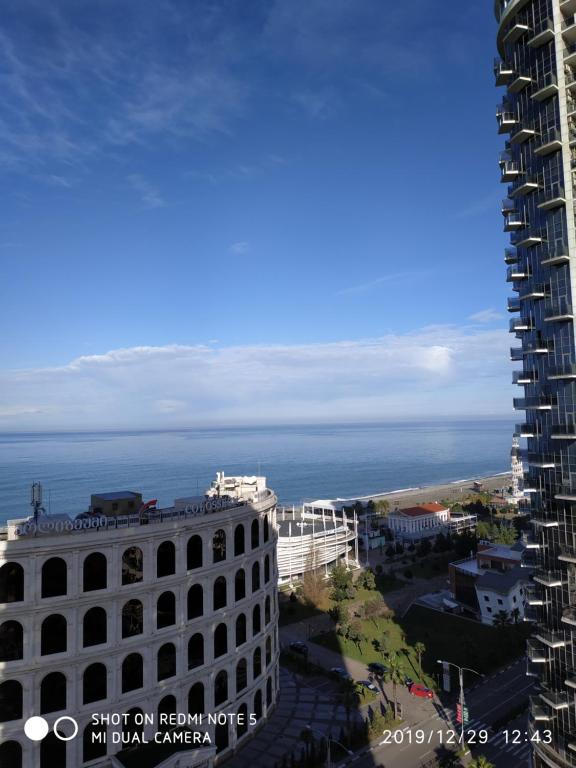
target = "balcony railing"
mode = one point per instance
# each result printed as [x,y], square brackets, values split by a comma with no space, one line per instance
[510,255]
[546,87]
[538,710]
[521,134]
[567,555]
[537,652]
[503,72]
[516,273]
[542,520]
[524,377]
[519,325]
[527,238]
[533,403]
[517,29]
[563,431]
[541,460]
[567,371]
[569,617]
[558,309]
[506,121]
[523,186]
[553,197]
[519,81]
[537,291]
[549,579]
[555,253]
[556,699]
[528,430]
[550,141]
[514,304]
[550,638]
[543,33]
[565,492]
[510,170]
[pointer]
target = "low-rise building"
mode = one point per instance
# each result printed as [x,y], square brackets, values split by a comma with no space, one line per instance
[427,521]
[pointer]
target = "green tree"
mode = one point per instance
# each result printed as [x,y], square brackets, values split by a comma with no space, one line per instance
[382,507]
[373,609]
[395,676]
[366,580]
[480,762]
[420,649]
[356,634]
[502,619]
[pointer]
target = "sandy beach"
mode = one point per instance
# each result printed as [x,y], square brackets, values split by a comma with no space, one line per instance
[450,491]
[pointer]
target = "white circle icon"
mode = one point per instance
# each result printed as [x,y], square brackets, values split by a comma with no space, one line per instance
[36,728]
[61,736]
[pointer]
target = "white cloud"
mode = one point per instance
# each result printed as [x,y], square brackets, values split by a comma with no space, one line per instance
[486,316]
[240,248]
[149,195]
[435,371]
[395,277]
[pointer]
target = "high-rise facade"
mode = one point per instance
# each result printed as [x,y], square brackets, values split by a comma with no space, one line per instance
[537,66]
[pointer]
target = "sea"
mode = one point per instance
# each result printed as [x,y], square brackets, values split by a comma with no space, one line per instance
[301,463]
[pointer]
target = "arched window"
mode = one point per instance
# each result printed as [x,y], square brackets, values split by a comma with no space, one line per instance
[166,708]
[131,726]
[94,575]
[166,610]
[265,528]
[219,593]
[220,640]
[242,721]
[11,583]
[132,565]
[255,577]
[11,754]
[241,675]
[267,610]
[11,641]
[52,693]
[166,559]
[256,621]
[52,752]
[268,650]
[93,742]
[255,534]
[268,692]
[256,663]
[257,709]
[53,635]
[240,630]
[267,569]
[94,683]
[132,618]
[195,601]
[196,651]
[221,737]
[166,661]
[132,672]
[196,699]
[219,546]
[54,577]
[94,625]
[240,585]
[10,701]
[239,546]
[194,553]
[220,688]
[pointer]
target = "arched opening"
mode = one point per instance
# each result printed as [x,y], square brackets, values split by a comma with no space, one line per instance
[166,610]
[10,701]
[255,534]
[242,721]
[268,692]
[221,737]
[195,601]
[131,726]
[11,641]
[239,546]
[256,663]
[132,618]
[53,635]
[52,752]
[240,585]
[241,675]
[219,593]
[196,699]
[94,572]
[10,755]
[219,546]
[94,683]
[220,640]
[268,651]
[52,693]
[265,528]
[256,621]
[94,627]
[166,559]
[166,709]
[195,651]
[220,688]
[11,583]
[166,661]
[240,630]
[255,577]
[194,553]
[132,672]
[267,569]
[93,742]
[54,577]
[267,610]
[257,709]
[132,565]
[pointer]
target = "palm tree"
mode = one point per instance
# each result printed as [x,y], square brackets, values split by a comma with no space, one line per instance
[502,619]
[395,676]
[480,762]
[420,649]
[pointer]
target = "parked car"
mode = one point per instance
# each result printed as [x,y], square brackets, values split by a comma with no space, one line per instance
[299,647]
[416,689]
[367,684]
[376,668]
[341,673]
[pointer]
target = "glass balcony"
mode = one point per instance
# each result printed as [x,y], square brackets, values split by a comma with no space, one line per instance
[517,29]
[516,354]
[546,87]
[549,579]
[549,142]
[508,206]
[568,29]
[514,220]
[509,171]
[571,683]
[514,304]
[555,699]
[539,711]
[521,134]
[537,652]
[540,460]
[531,614]
[503,72]
[507,121]
[565,492]
[553,198]
[524,377]
[529,559]
[527,239]
[533,403]
[528,430]
[557,310]
[541,520]
[567,371]
[569,617]
[543,33]
[519,82]
[554,254]
[567,554]
[524,186]
[550,638]
[519,325]
[516,273]
[510,256]
[563,431]
[537,291]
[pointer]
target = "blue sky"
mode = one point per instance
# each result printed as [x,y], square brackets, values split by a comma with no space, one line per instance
[249,210]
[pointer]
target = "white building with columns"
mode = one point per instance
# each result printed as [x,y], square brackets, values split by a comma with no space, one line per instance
[155,615]
[422,522]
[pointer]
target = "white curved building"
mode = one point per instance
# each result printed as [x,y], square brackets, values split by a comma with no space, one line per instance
[164,612]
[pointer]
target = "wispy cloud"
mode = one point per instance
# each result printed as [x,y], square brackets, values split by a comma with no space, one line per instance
[149,195]
[240,248]
[486,316]
[370,285]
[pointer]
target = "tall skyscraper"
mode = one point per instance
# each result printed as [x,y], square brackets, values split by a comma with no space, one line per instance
[537,65]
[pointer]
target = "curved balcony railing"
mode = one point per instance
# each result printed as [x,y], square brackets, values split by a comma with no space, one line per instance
[533,403]
[567,371]
[510,255]
[524,377]
[519,325]
[558,309]
[514,304]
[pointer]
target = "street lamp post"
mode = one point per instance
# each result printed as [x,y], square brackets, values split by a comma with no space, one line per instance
[329,740]
[461,681]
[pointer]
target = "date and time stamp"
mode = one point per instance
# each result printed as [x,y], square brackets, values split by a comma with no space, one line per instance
[471,737]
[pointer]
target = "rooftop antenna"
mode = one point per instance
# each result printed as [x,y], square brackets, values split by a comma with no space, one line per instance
[36,500]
